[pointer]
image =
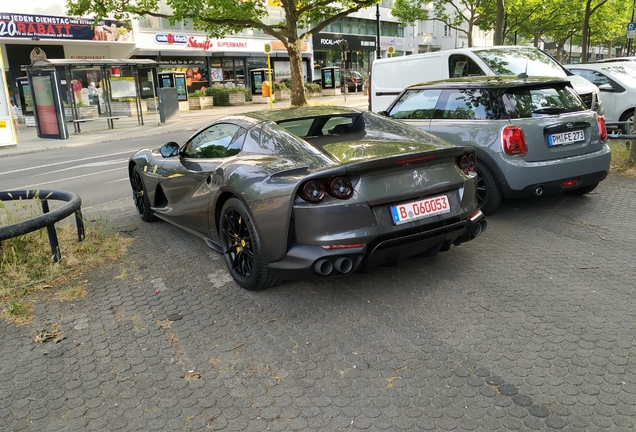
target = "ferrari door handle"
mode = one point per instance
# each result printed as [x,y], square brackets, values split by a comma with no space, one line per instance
[208,180]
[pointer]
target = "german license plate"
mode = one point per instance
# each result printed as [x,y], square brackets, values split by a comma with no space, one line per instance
[566,138]
[403,213]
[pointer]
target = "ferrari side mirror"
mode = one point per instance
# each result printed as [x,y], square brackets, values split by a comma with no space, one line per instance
[169,149]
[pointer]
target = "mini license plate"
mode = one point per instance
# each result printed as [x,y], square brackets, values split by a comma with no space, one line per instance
[566,138]
[415,210]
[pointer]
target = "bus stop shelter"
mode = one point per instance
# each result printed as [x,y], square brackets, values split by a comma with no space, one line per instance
[118,79]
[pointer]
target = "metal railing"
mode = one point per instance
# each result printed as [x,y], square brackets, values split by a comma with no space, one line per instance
[48,218]
[624,128]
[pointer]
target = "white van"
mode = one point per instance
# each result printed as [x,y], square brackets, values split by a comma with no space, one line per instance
[392,75]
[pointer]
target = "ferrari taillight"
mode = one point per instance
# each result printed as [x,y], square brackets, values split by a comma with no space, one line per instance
[340,187]
[467,163]
[314,191]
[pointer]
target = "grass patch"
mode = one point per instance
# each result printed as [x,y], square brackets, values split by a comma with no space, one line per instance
[74,292]
[620,159]
[27,267]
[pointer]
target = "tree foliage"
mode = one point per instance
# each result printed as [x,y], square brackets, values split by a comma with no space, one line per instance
[219,18]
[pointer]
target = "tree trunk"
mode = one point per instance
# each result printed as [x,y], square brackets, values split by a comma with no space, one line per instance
[560,44]
[469,34]
[537,38]
[586,32]
[294,49]
[499,24]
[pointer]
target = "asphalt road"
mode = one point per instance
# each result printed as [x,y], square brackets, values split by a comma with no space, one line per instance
[97,173]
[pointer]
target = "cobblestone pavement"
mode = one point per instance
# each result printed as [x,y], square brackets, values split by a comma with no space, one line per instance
[530,327]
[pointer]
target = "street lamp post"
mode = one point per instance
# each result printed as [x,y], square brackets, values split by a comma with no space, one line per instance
[377,23]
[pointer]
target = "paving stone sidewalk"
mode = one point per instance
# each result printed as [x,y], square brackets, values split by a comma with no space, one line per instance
[529,327]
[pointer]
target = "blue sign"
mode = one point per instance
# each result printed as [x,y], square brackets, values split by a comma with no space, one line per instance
[631,26]
[170,38]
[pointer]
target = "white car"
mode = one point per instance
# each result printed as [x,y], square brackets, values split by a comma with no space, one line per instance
[617,84]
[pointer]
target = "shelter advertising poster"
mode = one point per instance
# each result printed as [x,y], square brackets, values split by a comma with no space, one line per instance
[47,117]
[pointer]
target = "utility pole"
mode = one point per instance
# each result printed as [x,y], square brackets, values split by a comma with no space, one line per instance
[377,23]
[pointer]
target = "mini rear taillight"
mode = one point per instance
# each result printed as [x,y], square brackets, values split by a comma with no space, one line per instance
[514,141]
[602,129]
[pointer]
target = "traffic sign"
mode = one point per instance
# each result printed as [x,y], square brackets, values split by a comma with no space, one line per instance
[391,49]
[268,48]
[631,29]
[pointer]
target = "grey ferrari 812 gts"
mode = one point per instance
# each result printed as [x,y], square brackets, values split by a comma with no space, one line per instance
[311,192]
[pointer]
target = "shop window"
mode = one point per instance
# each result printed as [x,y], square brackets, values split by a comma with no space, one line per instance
[336,27]
[165,24]
[149,22]
[346,26]
[355,27]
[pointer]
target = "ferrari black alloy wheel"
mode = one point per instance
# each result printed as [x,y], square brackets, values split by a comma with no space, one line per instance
[488,195]
[242,248]
[142,203]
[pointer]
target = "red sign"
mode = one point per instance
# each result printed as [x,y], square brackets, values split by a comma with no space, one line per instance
[193,43]
[207,44]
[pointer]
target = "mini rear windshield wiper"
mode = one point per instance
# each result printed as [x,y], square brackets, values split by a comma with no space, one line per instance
[550,110]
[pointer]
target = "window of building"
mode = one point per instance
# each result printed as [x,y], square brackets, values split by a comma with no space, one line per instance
[447,30]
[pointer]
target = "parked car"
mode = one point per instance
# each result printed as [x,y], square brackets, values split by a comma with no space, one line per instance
[532,136]
[311,192]
[617,82]
[617,59]
[390,76]
[354,80]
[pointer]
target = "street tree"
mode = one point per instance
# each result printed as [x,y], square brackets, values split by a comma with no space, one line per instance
[590,7]
[218,18]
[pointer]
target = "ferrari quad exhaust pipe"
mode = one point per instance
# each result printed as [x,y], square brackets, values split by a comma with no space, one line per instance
[476,230]
[344,265]
[479,228]
[323,267]
[538,191]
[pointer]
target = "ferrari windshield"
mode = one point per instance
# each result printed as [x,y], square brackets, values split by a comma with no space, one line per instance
[514,61]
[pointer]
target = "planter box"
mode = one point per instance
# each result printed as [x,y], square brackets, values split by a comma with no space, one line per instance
[314,95]
[237,98]
[126,109]
[84,112]
[282,95]
[199,103]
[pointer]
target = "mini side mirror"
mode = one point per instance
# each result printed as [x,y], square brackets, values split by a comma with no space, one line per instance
[169,149]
